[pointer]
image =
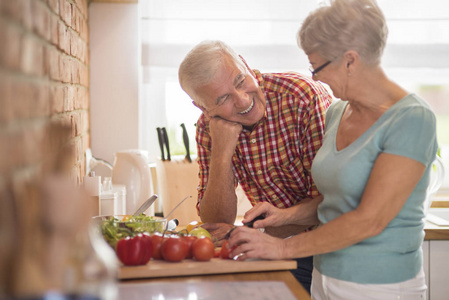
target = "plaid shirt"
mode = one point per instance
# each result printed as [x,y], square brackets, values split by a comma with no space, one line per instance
[273,161]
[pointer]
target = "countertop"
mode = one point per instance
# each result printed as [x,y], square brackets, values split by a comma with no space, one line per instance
[435,232]
[217,287]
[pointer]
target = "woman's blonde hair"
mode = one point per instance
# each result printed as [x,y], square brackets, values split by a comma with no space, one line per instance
[344,25]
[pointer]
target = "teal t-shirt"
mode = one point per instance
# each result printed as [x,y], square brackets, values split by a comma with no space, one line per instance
[408,128]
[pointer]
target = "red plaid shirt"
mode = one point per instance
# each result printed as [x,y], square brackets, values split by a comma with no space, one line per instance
[273,161]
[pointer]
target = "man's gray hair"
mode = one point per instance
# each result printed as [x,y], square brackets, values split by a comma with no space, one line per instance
[202,62]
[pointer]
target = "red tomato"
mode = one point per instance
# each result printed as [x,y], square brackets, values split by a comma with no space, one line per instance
[225,251]
[133,251]
[157,241]
[203,249]
[174,249]
[188,240]
[148,244]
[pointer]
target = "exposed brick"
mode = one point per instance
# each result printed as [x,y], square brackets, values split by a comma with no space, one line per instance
[54,5]
[64,38]
[44,80]
[41,107]
[20,11]
[41,19]
[65,11]
[80,96]
[84,31]
[69,98]
[22,93]
[6,113]
[52,58]
[85,121]
[75,19]
[54,30]
[30,100]
[10,47]
[84,76]
[76,70]
[56,99]
[65,69]
[82,6]
[77,123]
[86,142]
[32,56]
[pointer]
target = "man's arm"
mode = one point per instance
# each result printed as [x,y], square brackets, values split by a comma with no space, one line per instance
[219,201]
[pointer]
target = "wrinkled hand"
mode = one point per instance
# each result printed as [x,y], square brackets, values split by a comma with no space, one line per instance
[251,243]
[273,216]
[218,231]
[224,134]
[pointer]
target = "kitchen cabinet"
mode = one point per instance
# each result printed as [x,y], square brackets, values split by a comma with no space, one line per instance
[436,267]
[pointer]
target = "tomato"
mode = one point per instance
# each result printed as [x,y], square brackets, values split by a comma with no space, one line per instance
[174,249]
[203,249]
[225,251]
[133,251]
[189,239]
[157,241]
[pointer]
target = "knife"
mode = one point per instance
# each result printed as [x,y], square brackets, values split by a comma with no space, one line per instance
[185,138]
[161,142]
[249,224]
[167,145]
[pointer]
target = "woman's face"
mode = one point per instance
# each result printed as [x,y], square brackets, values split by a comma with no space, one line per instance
[334,74]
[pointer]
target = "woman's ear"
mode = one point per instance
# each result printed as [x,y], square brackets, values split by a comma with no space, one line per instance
[351,58]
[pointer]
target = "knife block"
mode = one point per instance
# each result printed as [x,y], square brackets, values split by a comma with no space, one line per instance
[177,179]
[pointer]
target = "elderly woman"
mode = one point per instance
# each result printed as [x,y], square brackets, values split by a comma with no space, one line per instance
[373,168]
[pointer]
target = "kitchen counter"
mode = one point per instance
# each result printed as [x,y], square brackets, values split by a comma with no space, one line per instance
[283,285]
[435,232]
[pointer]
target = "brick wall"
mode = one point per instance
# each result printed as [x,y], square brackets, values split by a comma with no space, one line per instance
[44,80]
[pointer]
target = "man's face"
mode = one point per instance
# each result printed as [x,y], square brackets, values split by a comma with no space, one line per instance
[233,95]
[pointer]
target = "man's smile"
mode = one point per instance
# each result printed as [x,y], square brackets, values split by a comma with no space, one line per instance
[248,109]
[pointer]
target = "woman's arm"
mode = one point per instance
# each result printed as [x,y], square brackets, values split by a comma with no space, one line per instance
[391,182]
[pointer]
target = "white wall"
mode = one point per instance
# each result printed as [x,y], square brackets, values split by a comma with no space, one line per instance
[114,78]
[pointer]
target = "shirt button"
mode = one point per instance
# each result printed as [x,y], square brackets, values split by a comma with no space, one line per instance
[259,172]
[253,141]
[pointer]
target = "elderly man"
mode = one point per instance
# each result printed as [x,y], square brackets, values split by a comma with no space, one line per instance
[261,130]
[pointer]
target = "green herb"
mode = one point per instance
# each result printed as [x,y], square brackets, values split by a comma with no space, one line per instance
[114,229]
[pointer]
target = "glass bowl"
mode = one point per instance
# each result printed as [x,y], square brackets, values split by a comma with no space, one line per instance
[114,228]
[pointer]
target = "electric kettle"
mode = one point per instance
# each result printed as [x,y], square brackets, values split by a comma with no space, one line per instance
[132,170]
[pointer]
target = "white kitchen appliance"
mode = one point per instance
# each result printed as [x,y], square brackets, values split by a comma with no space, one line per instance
[131,169]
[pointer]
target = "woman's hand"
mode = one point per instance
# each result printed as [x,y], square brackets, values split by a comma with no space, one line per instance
[218,231]
[273,216]
[251,243]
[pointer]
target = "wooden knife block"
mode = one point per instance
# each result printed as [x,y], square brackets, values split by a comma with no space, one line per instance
[177,179]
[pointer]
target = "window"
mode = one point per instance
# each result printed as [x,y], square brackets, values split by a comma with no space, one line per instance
[264,33]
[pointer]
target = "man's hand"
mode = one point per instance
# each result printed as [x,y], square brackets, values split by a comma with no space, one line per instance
[224,135]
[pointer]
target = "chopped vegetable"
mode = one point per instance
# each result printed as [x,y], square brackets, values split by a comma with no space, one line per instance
[114,229]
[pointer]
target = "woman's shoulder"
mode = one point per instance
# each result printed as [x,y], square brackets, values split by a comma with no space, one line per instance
[413,105]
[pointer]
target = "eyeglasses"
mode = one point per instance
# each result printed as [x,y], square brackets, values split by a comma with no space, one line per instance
[319,68]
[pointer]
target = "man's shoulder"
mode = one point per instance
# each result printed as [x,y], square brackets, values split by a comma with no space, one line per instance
[292,82]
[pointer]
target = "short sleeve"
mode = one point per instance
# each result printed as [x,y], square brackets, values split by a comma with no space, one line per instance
[412,133]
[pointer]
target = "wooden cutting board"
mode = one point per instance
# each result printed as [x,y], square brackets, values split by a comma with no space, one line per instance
[158,268]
